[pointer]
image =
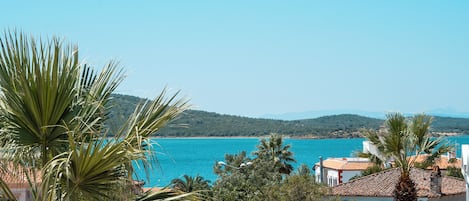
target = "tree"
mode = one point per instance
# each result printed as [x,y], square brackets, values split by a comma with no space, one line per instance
[274,150]
[300,186]
[259,179]
[239,181]
[190,184]
[402,138]
[303,170]
[52,109]
[297,188]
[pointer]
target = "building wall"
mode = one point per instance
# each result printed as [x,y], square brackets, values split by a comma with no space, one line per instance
[317,173]
[332,177]
[22,194]
[465,165]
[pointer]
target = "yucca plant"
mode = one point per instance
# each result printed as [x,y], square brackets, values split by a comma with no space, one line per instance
[52,113]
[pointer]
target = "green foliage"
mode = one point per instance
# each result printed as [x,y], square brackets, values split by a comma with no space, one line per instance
[263,178]
[303,170]
[297,187]
[454,172]
[368,171]
[249,183]
[450,125]
[197,185]
[274,150]
[201,123]
[372,170]
[190,184]
[402,138]
[52,112]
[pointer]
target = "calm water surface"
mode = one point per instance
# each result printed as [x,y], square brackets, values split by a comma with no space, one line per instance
[180,156]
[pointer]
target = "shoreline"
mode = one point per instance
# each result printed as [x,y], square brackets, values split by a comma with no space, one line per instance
[441,134]
[208,137]
[249,137]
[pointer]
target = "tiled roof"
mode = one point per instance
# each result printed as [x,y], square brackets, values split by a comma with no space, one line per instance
[346,164]
[443,162]
[382,184]
[15,177]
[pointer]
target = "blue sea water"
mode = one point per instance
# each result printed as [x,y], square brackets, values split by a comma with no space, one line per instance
[179,156]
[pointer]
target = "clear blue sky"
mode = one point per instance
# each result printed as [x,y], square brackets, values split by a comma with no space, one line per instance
[251,58]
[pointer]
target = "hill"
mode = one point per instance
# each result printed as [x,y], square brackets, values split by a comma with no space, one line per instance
[194,123]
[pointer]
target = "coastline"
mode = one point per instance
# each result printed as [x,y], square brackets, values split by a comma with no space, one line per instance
[208,137]
[247,137]
[307,137]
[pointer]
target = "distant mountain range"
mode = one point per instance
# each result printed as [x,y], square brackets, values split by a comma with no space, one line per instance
[201,123]
[378,115]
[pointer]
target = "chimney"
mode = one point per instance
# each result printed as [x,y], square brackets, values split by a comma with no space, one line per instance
[435,180]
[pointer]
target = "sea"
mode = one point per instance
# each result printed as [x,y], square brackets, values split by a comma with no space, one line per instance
[176,157]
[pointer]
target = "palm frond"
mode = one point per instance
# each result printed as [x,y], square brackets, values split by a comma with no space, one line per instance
[168,195]
[52,110]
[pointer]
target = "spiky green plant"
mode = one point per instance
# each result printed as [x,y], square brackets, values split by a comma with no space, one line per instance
[52,113]
[273,149]
[402,138]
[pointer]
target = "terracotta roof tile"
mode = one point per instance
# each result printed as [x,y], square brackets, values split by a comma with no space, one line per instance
[382,184]
[443,162]
[346,164]
[15,177]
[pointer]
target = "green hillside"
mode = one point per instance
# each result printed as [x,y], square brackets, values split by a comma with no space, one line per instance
[200,123]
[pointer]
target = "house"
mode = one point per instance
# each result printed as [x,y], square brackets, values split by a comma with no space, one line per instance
[465,166]
[380,186]
[16,179]
[339,170]
[444,161]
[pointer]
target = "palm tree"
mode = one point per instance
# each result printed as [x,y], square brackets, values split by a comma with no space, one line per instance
[303,170]
[402,138]
[190,184]
[274,150]
[52,109]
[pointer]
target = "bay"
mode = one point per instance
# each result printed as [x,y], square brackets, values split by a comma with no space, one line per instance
[179,156]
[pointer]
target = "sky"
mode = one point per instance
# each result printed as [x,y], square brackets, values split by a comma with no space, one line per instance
[252,58]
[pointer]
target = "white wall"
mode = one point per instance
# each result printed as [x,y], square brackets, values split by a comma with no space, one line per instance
[465,157]
[465,166]
[22,194]
[331,174]
[317,173]
[332,177]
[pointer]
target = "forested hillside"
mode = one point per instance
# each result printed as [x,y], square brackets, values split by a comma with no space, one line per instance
[200,123]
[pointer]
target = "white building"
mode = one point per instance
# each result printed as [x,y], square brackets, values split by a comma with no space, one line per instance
[465,166]
[339,170]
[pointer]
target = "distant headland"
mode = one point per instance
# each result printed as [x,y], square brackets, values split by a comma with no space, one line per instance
[197,123]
